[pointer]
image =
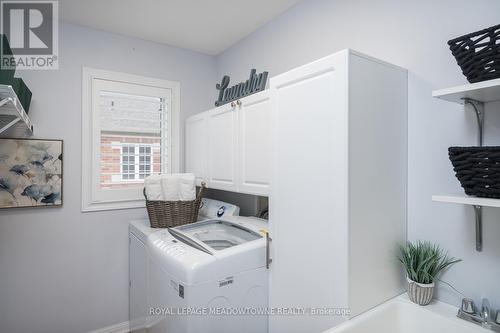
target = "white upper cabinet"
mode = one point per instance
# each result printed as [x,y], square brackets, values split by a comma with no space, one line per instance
[222,148]
[254,117]
[196,146]
[229,147]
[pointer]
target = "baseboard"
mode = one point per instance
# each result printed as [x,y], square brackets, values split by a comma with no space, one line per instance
[117,328]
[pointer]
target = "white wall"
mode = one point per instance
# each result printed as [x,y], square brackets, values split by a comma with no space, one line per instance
[62,271]
[411,34]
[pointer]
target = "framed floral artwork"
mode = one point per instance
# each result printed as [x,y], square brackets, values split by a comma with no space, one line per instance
[31,173]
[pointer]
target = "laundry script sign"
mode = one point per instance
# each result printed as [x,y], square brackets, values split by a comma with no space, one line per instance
[254,84]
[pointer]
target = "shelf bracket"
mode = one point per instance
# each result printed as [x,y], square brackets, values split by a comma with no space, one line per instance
[479,110]
[478,210]
[14,114]
[5,101]
[9,125]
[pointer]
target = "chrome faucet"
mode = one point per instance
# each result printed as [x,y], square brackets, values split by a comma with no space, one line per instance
[485,311]
[484,317]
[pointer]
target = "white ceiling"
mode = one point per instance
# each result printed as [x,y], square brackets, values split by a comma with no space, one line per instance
[207,26]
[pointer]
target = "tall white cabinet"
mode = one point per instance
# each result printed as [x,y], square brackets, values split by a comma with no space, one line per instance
[229,147]
[338,196]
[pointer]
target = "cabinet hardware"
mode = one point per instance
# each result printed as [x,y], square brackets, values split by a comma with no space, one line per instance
[268,250]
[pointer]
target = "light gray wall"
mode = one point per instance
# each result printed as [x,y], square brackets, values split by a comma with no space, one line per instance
[62,271]
[411,34]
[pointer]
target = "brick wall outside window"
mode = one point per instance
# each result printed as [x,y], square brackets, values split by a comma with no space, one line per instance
[111,153]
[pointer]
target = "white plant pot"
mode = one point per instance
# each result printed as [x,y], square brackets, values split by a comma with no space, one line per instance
[420,293]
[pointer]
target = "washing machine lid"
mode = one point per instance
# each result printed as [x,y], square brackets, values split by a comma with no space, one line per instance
[214,235]
[190,261]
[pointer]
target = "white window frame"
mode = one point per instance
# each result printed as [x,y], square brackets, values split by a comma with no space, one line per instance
[91,200]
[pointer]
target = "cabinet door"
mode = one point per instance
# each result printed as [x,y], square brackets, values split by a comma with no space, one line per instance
[254,117]
[222,148]
[309,196]
[196,146]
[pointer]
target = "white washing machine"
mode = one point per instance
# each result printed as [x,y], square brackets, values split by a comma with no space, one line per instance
[209,277]
[139,231]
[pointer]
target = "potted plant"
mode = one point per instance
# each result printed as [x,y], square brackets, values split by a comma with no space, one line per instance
[423,263]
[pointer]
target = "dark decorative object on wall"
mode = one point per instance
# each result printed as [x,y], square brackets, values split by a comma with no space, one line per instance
[477,169]
[23,92]
[254,84]
[7,76]
[478,54]
[30,173]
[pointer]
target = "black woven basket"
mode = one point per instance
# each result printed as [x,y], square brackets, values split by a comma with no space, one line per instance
[477,169]
[478,54]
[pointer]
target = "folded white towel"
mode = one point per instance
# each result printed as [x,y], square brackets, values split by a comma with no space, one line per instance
[170,187]
[153,187]
[187,190]
[180,186]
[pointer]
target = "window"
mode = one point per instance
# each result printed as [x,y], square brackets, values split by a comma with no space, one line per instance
[135,162]
[131,137]
[130,130]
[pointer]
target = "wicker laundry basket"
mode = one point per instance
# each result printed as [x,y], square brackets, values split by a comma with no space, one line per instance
[167,214]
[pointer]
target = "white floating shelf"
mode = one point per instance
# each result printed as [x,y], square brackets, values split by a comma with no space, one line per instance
[486,91]
[13,119]
[467,200]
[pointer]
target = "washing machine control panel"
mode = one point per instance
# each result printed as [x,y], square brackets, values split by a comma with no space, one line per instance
[213,209]
[169,245]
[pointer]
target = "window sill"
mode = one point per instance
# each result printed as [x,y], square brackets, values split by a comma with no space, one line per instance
[117,205]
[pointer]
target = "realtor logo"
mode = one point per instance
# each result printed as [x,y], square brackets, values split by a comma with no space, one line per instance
[31,28]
